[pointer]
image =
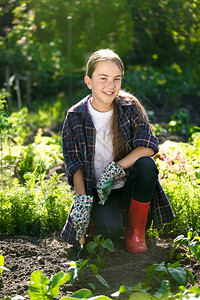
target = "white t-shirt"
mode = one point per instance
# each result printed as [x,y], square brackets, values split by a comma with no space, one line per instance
[103,144]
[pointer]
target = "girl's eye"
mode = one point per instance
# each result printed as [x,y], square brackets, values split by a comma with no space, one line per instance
[103,78]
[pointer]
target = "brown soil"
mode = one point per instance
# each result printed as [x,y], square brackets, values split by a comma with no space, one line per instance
[23,255]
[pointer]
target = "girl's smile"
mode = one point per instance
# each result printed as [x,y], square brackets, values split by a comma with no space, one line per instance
[105,85]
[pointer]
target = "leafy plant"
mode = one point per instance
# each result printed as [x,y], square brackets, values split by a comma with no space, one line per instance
[98,246]
[190,244]
[78,270]
[41,287]
[170,272]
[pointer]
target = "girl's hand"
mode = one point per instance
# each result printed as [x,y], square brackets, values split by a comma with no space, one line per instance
[111,172]
[81,214]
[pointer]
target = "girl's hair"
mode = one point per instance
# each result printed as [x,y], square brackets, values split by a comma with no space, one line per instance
[103,55]
[120,146]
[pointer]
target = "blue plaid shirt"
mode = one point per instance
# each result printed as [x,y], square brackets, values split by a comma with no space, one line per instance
[78,139]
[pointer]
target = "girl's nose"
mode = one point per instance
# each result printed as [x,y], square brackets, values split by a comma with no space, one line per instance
[111,83]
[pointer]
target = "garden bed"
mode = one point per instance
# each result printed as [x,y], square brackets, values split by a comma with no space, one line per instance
[23,255]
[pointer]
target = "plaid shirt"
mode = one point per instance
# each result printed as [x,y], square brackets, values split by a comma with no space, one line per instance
[78,138]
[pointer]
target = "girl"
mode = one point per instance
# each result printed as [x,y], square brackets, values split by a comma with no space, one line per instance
[107,148]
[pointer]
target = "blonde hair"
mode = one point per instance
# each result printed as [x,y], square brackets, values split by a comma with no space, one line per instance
[120,145]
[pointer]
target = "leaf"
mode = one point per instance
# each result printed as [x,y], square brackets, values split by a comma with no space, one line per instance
[102,280]
[178,238]
[101,297]
[97,238]
[38,283]
[56,281]
[172,253]
[195,248]
[156,268]
[108,244]
[99,261]
[190,275]
[164,288]
[1,264]
[189,235]
[179,274]
[82,293]
[91,247]
[140,296]
[92,285]
[94,269]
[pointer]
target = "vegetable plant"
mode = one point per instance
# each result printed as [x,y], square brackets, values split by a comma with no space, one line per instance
[43,288]
[97,248]
[170,272]
[190,244]
[79,270]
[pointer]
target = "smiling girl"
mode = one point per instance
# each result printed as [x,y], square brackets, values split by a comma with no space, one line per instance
[108,147]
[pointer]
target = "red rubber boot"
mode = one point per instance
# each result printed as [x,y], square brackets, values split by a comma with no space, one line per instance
[135,232]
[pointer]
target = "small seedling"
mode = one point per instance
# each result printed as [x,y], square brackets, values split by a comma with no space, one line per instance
[78,269]
[97,248]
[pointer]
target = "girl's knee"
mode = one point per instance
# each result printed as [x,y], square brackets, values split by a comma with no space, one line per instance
[146,168]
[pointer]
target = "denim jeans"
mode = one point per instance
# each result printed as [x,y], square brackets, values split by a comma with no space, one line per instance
[140,186]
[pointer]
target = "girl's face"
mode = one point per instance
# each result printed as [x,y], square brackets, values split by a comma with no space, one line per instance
[105,85]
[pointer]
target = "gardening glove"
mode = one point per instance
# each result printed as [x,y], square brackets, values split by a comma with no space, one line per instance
[111,172]
[81,214]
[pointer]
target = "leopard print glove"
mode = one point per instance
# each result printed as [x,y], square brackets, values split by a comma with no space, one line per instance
[81,214]
[111,172]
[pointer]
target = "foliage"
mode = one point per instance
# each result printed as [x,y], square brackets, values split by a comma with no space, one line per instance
[97,247]
[41,287]
[190,244]
[38,40]
[160,87]
[78,270]
[46,49]
[169,272]
[180,123]
[179,175]
[41,206]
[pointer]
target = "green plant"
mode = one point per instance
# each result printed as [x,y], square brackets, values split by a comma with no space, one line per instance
[40,206]
[2,268]
[79,270]
[41,287]
[85,294]
[190,244]
[98,246]
[170,272]
[180,123]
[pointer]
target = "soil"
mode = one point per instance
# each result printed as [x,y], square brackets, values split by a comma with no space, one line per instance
[23,255]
